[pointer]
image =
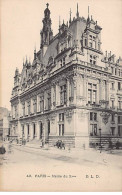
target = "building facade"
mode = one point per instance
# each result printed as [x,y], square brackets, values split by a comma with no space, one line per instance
[5,117]
[71,89]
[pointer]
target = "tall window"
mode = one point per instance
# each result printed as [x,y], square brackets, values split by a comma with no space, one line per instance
[41,104]
[92,41]
[93,116]
[34,130]
[48,123]
[112,130]
[112,86]
[61,124]
[93,59]
[28,130]
[63,61]
[23,107]
[63,95]
[112,117]
[119,86]
[115,71]
[49,101]
[119,119]
[119,104]
[120,130]
[92,93]
[85,42]
[112,70]
[35,105]
[94,96]
[119,71]
[29,108]
[61,117]
[98,46]
[112,103]
[23,130]
[89,96]
[93,129]
[61,129]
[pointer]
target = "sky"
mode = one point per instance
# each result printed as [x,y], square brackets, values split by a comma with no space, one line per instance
[21,22]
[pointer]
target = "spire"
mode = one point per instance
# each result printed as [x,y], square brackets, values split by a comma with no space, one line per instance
[35,53]
[70,20]
[59,22]
[23,61]
[26,60]
[88,19]
[47,5]
[77,14]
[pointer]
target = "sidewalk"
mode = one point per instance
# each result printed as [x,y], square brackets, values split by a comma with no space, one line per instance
[79,155]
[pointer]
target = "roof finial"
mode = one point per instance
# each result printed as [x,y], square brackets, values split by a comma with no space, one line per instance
[47,5]
[26,59]
[63,21]
[23,61]
[70,20]
[35,48]
[59,22]
[77,14]
[88,19]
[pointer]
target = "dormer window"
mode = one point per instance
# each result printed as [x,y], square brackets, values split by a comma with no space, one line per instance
[62,62]
[93,59]
[92,41]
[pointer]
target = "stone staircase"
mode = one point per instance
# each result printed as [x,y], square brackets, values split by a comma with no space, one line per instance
[69,141]
[95,141]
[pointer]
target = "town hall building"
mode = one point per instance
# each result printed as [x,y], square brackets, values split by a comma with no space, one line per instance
[71,91]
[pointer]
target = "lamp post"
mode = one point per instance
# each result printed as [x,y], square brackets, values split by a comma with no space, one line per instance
[100,140]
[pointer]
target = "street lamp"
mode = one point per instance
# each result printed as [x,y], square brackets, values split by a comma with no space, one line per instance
[100,140]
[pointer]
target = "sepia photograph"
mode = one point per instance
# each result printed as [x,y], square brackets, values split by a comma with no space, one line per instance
[60,96]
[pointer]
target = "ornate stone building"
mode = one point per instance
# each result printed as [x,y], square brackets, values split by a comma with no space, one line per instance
[71,90]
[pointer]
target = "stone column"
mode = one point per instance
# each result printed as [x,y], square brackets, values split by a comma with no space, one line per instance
[45,100]
[38,130]
[20,109]
[98,92]
[31,106]
[57,95]
[43,130]
[52,91]
[38,103]
[107,91]
[12,111]
[25,131]
[31,131]
[75,90]
[85,89]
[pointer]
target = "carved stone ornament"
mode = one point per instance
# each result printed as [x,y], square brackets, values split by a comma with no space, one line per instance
[105,116]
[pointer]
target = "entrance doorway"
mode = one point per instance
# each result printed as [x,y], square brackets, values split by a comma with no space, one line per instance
[41,130]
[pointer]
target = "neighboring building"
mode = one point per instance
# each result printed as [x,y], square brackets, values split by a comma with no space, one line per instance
[71,89]
[4,123]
